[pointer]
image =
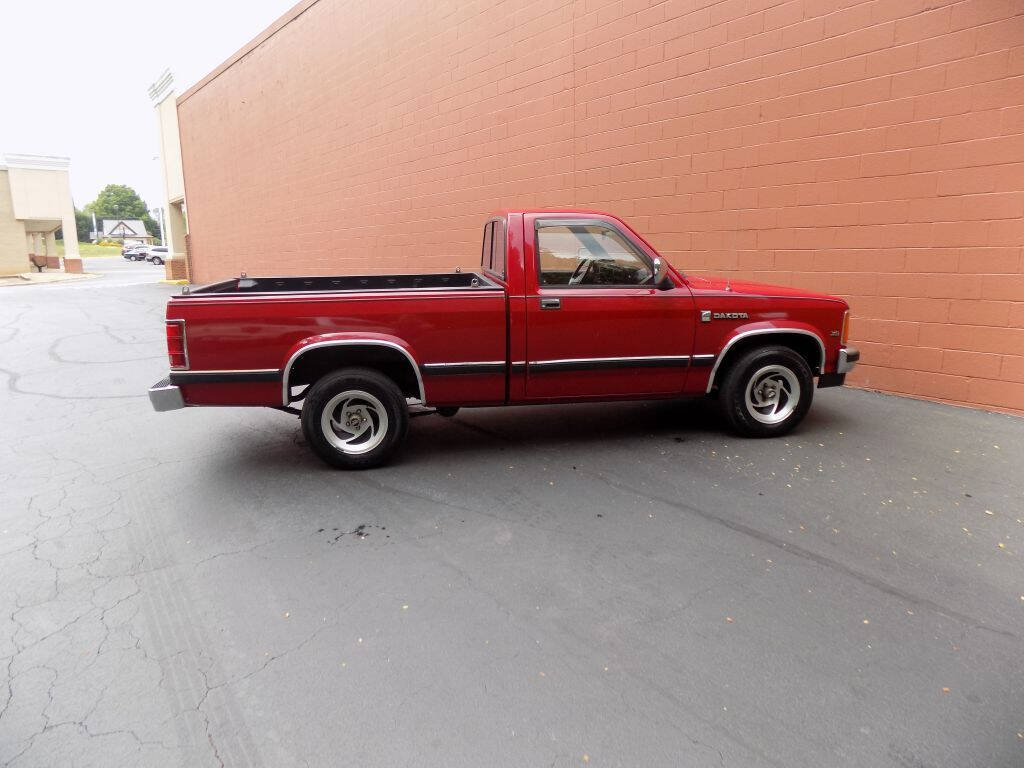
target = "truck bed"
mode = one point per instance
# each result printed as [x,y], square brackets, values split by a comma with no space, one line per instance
[346,283]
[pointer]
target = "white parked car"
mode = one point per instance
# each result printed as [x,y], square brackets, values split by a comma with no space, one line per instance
[157,254]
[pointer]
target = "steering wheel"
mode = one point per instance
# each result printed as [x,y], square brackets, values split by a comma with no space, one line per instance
[582,271]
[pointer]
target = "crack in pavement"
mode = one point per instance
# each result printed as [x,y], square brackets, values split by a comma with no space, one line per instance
[12,384]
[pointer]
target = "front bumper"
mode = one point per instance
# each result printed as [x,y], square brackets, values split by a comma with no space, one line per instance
[165,396]
[848,357]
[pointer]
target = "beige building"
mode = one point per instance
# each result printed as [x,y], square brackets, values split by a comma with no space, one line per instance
[35,201]
[174,213]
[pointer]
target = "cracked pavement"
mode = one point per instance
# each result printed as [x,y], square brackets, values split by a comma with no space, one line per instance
[601,585]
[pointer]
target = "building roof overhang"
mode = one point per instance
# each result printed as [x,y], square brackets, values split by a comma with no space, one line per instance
[35,162]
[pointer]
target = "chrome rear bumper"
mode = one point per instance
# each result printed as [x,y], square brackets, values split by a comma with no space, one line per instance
[165,396]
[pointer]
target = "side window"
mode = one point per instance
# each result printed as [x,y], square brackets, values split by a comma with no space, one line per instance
[588,254]
[498,248]
[485,251]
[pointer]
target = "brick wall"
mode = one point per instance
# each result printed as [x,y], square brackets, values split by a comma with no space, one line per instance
[868,148]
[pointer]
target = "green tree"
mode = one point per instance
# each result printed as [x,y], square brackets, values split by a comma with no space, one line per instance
[118,201]
[83,225]
[153,228]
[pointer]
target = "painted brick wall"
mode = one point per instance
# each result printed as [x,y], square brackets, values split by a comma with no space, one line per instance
[868,148]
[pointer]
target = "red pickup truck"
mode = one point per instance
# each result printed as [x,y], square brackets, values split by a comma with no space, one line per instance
[568,306]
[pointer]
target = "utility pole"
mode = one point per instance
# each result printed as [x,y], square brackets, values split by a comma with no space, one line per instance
[159,213]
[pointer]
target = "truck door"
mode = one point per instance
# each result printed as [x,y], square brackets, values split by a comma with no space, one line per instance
[597,326]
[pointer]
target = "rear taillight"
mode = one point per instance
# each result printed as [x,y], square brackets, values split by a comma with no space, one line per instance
[845,335]
[177,353]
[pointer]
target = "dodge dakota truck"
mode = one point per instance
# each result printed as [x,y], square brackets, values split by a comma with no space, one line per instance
[567,306]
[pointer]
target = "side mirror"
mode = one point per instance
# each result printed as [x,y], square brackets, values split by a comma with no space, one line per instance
[660,270]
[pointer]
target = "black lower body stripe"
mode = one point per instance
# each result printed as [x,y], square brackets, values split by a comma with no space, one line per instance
[462,369]
[223,377]
[553,366]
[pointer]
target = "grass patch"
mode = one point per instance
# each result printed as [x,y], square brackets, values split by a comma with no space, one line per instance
[90,250]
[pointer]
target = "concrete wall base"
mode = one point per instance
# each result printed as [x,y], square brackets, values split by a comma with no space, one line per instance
[52,262]
[70,265]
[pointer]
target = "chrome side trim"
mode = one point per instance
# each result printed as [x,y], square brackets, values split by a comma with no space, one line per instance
[570,360]
[349,343]
[228,370]
[490,363]
[762,332]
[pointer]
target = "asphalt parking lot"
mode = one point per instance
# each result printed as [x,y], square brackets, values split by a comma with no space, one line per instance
[599,585]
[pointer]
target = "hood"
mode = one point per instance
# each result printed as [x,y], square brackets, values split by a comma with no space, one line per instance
[713,284]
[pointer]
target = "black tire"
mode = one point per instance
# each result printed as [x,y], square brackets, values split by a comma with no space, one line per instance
[447,412]
[772,375]
[158,261]
[327,441]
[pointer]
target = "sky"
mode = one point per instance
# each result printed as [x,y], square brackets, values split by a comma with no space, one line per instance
[74,78]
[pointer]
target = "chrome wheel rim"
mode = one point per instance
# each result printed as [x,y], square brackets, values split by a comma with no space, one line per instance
[772,394]
[354,422]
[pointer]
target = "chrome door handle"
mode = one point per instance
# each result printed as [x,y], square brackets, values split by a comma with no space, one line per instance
[550,303]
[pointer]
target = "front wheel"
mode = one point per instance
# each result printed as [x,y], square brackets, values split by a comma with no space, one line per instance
[767,392]
[158,261]
[354,418]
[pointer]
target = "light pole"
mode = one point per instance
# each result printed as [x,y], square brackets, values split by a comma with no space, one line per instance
[159,214]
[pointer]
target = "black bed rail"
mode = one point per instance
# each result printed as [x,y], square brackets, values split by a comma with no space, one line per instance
[248,285]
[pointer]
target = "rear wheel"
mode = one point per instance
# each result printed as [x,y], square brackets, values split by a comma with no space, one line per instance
[158,261]
[354,418]
[767,392]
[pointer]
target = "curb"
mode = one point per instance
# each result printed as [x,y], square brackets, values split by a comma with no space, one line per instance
[33,278]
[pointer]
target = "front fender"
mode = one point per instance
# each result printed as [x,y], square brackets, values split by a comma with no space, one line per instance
[768,328]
